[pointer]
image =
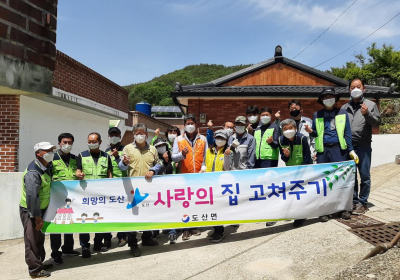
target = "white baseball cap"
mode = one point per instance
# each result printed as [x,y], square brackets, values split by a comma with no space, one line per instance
[44,146]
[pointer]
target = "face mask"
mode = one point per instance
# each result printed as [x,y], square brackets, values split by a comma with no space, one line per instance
[66,148]
[114,140]
[356,93]
[48,157]
[265,119]
[190,128]
[140,138]
[93,146]
[171,137]
[229,131]
[162,150]
[253,119]
[240,129]
[329,102]
[289,133]
[220,143]
[69,203]
[295,113]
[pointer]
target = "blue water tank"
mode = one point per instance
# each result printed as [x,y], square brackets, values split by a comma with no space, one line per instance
[144,108]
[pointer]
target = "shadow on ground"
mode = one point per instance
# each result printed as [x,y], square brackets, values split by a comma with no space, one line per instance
[230,236]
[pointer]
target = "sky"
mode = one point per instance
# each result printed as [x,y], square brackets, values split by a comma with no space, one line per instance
[132,41]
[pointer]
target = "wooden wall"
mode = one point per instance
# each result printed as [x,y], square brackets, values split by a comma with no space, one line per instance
[278,74]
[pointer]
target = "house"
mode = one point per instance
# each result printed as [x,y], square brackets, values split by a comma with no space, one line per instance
[63,216]
[271,83]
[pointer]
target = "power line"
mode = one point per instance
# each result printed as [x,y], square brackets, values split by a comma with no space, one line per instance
[358,41]
[325,30]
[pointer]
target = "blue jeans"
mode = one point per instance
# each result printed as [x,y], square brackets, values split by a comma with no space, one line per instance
[364,166]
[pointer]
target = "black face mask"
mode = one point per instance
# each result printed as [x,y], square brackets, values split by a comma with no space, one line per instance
[295,113]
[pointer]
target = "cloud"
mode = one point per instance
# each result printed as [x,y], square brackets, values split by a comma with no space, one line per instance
[360,20]
[227,178]
[268,178]
[194,6]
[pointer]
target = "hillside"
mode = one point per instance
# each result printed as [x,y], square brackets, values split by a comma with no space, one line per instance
[157,90]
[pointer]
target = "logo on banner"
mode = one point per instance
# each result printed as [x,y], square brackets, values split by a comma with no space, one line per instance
[185,218]
[137,198]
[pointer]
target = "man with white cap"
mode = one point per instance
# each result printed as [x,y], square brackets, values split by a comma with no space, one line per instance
[35,199]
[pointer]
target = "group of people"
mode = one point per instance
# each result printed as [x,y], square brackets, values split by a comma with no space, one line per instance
[251,141]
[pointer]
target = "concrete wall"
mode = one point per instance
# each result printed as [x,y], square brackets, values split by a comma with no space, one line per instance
[385,147]
[9,200]
[44,121]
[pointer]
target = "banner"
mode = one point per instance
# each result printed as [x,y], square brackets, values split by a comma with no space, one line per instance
[199,200]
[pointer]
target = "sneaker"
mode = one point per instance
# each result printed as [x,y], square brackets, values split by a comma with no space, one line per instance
[361,209]
[41,274]
[195,232]
[100,248]
[149,242]
[86,253]
[211,236]
[270,224]
[172,238]
[71,253]
[107,243]
[57,260]
[135,251]
[235,226]
[186,235]
[121,242]
[218,237]
[355,206]
[323,219]
[298,223]
[346,215]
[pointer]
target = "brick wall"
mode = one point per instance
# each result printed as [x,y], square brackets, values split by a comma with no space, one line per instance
[74,77]
[220,110]
[27,30]
[9,133]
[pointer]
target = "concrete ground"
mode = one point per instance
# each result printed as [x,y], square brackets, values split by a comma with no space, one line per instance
[315,251]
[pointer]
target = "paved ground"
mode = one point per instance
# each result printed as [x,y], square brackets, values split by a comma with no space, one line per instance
[315,251]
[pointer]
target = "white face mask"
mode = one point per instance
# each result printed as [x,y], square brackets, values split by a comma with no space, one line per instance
[171,137]
[229,131]
[68,202]
[240,129]
[220,143]
[114,140]
[93,146]
[48,157]
[140,138]
[329,102]
[66,148]
[289,133]
[190,128]
[161,150]
[265,119]
[253,119]
[83,218]
[356,93]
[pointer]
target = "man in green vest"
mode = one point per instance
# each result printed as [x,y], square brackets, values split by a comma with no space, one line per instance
[64,168]
[35,199]
[94,164]
[294,150]
[266,136]
[115,151]
[332,132]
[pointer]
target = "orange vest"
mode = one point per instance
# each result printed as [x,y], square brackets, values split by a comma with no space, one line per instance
[194,159]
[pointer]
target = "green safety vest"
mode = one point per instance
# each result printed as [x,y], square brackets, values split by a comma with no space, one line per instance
[117,173]
[62,172]
[92,170]
[44,191]
[264,150]
[296,155]
[340,123]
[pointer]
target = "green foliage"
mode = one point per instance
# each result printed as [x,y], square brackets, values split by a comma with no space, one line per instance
[332,176]
[157,91]
[381,68]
